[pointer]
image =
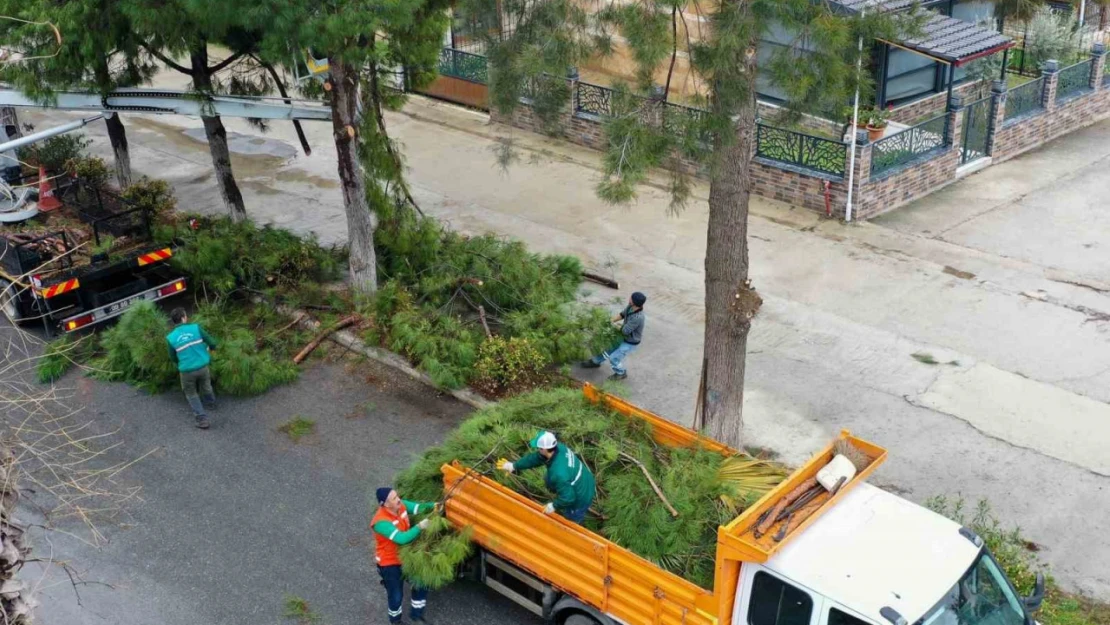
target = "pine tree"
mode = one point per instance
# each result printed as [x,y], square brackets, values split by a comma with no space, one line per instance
[534,41]
[98,52]
[365,42]
[173,30]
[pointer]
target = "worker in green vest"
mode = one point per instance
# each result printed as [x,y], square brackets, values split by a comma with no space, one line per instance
[567,475]
[189,345]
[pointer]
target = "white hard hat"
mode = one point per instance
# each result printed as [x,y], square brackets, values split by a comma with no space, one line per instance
[544,440]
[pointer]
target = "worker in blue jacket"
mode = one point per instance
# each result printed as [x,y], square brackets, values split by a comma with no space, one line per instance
[189,345]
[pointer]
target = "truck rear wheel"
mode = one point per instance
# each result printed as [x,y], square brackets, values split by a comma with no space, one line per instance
[580,619]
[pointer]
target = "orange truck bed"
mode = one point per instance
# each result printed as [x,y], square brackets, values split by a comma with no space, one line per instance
[605,575]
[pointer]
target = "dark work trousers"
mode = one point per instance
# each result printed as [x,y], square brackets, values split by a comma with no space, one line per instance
[395,594]
[198,386]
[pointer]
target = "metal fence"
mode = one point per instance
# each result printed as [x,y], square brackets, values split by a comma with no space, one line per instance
[679,119]
[910,144]
[818,154]
[1074,79]
[593,100]
[1025,99]
[464,65]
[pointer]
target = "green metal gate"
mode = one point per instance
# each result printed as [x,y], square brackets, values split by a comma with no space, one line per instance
[977,118]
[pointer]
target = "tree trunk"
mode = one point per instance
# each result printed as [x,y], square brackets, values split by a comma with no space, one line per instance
[117,135]
[361,221]
[730,302]
[217,140]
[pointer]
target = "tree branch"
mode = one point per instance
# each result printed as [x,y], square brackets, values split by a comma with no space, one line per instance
[654,486]
[167,60]
[224,63]
[379,118]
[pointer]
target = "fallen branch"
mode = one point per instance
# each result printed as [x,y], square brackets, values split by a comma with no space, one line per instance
[482,318]
[654,486]
[292,323]
[602,280]
[323,335]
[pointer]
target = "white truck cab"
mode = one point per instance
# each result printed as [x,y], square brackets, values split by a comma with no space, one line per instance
[878,559]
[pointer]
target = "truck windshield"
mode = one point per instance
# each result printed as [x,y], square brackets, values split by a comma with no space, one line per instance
[983,596]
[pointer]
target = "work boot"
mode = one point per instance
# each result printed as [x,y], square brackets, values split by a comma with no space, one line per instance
[202,423]
[589,364]
[420,619]
[618,376]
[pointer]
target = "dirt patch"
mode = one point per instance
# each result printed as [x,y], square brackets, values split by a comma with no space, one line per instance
[963,275]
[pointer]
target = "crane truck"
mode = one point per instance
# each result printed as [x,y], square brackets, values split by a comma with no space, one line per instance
[45,276]
[862,556]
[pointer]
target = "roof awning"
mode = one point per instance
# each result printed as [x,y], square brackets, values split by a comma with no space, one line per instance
[954,41]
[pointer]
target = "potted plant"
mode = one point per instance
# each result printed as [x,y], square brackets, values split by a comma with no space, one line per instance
[876,123]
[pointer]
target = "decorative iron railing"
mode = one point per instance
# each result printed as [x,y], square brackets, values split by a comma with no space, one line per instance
[679,119]
[1073,80]
[464,65]
[910,144]
[1025,99]
[593,100]
[818,154]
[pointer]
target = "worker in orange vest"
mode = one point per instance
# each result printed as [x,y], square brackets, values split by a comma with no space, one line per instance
[392,527]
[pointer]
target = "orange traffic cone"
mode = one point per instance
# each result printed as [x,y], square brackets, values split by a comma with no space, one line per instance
[47,201]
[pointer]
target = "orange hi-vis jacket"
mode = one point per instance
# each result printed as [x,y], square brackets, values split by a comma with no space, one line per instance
[391,530]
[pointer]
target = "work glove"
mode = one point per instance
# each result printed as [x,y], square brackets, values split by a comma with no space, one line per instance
[505,465]
[549,508]
[423,524]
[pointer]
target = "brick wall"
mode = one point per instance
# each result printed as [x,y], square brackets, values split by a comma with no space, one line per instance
[887,191]
[1057,118]
[931,106]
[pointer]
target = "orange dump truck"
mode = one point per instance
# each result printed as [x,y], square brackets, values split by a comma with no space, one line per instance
[860,556]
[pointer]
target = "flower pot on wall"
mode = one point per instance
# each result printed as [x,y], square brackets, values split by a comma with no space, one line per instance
[874,133]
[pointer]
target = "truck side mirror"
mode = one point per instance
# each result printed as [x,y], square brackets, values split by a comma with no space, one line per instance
[1036,598]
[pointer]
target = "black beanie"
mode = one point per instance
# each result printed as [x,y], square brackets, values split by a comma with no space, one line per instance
[638,299]
[383,493]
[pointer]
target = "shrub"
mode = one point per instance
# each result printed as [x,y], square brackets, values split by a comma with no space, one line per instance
[504,362]
[56,359]
[56,154]
[135,350]
[92,169]
[434,556]
[155,196]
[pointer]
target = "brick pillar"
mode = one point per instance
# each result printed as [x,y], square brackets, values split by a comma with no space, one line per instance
[998,111]
[955,120]
[1098,65]
[1051,73]
[572,84]
[861,176]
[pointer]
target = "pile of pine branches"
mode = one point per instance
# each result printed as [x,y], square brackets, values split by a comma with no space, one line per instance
[251,357]
[627,509]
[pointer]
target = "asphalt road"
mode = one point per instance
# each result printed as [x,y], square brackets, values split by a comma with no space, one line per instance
[234,519]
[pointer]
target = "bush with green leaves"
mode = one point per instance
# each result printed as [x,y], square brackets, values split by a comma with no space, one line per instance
[151,194]
[626,509]
[433,558]
[92,169]
[135,351]
[56,154]
[503,362]
[222,256]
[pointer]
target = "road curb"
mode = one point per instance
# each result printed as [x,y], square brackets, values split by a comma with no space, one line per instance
[389,359]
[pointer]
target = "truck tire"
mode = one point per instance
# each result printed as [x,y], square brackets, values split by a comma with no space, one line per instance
[9,302]
[580,619]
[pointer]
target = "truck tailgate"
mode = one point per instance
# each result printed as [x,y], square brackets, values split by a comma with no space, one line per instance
[572,558]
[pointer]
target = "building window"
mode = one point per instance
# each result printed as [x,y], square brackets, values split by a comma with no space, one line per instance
[774,602]
[776,40]
[908,75]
